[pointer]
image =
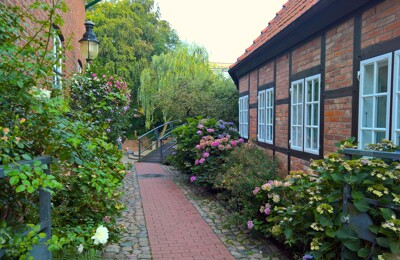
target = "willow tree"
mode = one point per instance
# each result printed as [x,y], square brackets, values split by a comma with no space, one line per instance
[176,85]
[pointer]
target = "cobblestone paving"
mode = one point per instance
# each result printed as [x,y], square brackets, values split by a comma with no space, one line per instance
[237,239]
[134,244]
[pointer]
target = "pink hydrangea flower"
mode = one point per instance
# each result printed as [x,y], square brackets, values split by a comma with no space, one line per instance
[250,225]
[199,132]
[202,160]
[106,219]
[196,162]
[256,190]
[210,130]
[216,143]
[241,140]
[193,178]
[198,146]
[200,126]
[267,211]
[206,155]
[233,143]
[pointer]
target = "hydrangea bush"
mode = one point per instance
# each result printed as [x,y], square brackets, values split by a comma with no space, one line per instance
[106,99]
[305,211]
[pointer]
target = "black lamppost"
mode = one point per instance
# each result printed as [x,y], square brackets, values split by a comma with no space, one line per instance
[89,43]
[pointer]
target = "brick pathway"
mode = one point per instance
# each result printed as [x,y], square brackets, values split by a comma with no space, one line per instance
[175,228]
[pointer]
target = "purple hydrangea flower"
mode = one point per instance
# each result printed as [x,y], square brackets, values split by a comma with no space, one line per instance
[193,178]
[250,225]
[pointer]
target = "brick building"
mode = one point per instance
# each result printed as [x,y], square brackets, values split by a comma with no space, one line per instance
[72,31]
[321,72]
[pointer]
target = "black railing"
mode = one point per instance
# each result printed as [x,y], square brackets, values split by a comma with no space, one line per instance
[151,140]
[362,221]
[39,251]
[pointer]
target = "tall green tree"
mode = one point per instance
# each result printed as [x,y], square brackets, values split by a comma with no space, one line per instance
[130,33]
[180,84]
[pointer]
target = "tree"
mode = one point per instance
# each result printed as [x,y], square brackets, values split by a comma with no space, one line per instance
[180,84]
[130,33]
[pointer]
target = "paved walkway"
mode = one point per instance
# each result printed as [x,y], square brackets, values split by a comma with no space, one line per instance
[175,228]
[167,218]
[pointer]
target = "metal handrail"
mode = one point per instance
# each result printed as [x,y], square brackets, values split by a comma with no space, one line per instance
[155,140]
[163,145]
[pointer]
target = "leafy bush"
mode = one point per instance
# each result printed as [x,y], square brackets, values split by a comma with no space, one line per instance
[246,167]
[190,134]
[36,119]
[306,211]
[106,99]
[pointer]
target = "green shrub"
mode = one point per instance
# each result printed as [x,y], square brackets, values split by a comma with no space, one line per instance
[36,119]
[246,167]
[306,211]
[190,134]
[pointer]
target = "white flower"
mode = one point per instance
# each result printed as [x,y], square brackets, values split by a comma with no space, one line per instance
[101,235]
[79,249]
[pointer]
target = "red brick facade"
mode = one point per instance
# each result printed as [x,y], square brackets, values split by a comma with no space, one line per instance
[333,52]
[71,31]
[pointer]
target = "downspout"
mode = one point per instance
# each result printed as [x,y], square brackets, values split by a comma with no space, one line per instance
[91,4]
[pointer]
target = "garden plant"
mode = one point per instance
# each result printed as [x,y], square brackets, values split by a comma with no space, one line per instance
[37,119]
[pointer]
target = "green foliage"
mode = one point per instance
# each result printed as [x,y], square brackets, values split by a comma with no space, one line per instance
[86,173]
[246,167]
[180,84]
[306,211]
[105,99]
[130,32]
[189,135]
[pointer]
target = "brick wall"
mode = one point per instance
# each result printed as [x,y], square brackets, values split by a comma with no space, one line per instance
[72,30]
[253,124]
[306,56]
[282,159]
[244,84]
[337,118]
[266,74]
[282,125]
[339,56]
[282,77]
[381,23]
[297,164]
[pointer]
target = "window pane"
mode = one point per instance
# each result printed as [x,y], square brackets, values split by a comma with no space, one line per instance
[300,115]
[367,112]
[398,112]
[309,91]
[309,114]
[300,90]
[294,116]
[383,76]
[368,87]
[308,137]
[299,137]
[379,136]
[366,138]
[316,90]
[381,112]
[315,115]
[315,139]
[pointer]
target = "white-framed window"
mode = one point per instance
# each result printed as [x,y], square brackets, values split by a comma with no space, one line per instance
[57,67]
[266,115]
[375,88]
[244,116]
[396,99]
[305,114]
[312,114]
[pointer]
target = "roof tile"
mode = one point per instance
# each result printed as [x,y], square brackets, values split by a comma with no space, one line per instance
[290,11]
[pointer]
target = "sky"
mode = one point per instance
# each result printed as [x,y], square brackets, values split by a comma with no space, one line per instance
[224,27]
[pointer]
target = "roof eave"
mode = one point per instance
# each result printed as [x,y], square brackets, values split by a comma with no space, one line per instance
[318,17]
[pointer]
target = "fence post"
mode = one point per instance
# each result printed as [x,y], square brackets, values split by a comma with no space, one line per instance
[156,137]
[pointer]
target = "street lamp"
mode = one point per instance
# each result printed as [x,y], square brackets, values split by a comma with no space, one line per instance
[89,43]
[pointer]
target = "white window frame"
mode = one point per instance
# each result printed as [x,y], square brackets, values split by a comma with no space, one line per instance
[299,115]
[361,119]
[58,64]
[396,99]
[266,116]
[296,106]
[244,116]
[313,139]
